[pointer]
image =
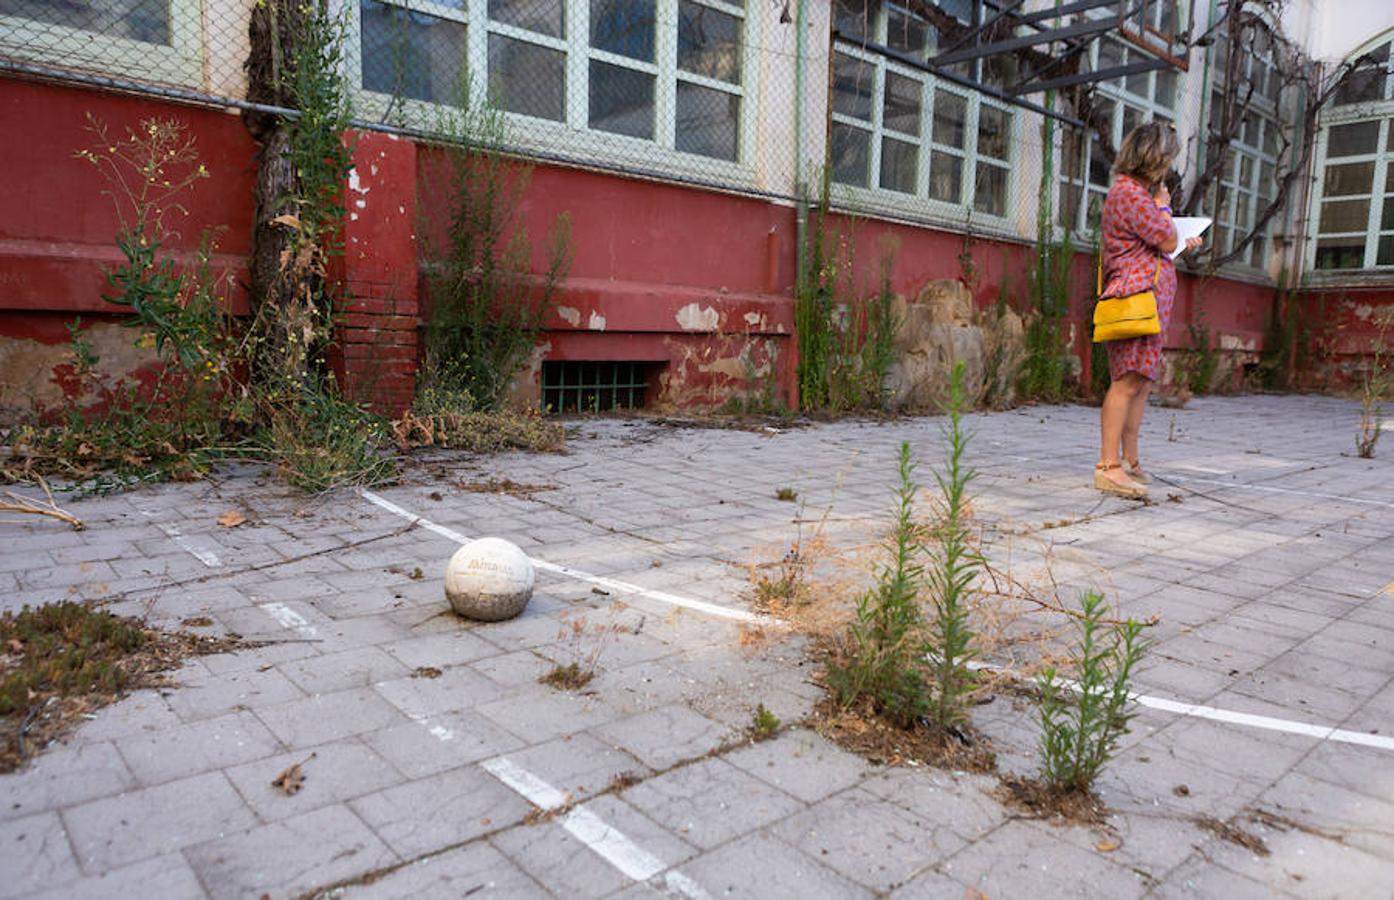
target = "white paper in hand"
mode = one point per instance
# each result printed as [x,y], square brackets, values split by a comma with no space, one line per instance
[1188,227]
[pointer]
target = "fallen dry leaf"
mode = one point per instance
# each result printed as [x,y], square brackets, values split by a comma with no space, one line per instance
[1106,846]
[292,778]
[231,519]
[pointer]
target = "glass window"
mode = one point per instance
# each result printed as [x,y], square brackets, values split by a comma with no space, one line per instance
[851,154]
[410,54]
[1355,139]
[147,21]
[525,78]
[542,16]
[854,82]
[709,42]
[900,161]
[708,121]
[1367,84]
[621,100]
[624,27]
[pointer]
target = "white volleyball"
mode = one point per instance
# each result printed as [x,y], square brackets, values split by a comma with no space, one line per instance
[489,579]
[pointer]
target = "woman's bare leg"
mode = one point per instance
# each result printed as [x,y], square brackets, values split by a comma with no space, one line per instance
[1132,423]
[1113,419]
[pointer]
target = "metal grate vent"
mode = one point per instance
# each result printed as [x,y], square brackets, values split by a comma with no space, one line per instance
[591,387]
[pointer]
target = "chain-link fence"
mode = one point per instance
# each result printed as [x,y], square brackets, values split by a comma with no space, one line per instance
[751,96]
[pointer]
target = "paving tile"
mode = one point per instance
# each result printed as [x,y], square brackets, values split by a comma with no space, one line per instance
[196,747]
[579,765]
[440,650]
[662,737]
[289,857]
[331,773]
[204,695]
[761,867]
[327,717]
[457,687]
[1018,854]
[710,802]
[869,840]
[441,810]
[801,763]
[473,870]
[538,713]
[35,854]
[959,800]
[154,821]
[434,744]
[1201,878]
[358,668]
[1306,865]
[165,877]
[64,776]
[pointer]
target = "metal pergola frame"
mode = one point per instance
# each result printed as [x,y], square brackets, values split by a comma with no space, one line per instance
[1076,36]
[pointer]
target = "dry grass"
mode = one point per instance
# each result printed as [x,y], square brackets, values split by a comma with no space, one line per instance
[61,662]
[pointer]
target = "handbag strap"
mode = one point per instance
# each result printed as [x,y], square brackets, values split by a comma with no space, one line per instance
[1099,292]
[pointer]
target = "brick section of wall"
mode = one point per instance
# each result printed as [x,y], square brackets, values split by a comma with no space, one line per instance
[378,316]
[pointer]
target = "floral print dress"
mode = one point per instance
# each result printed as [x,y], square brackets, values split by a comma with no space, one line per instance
[1133,228]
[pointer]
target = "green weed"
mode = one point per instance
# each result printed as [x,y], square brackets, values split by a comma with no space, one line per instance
[763,724]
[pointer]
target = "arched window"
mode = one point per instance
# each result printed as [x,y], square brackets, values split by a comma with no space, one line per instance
[1353,204]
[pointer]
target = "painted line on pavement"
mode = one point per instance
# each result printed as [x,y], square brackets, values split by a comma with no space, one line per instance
[611,584]
[1320,732]
[1233,717]
[609,843]
[1269,489]
[171,531]
[289,619]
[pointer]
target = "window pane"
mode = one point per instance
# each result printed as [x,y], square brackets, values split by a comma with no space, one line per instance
[528,79]
[990,195]
[902,107]
[994,132]
[543,16]
[950,117]
[1344,215]
[907,33]
[899,164]
[621,100]
[853,80]
[851,154]
[1367,83]
[708,121]
[625,27]
[1341,253]
[1270,137]
[146,21]
[1350,179]
[1166,88]
[1072,155]
[709,42]
[1384,254]
[852,19]
[410,54]
[1387,221]
[1353,140]
[1139,83]
[1389,174]
[1256,258]
[1132,118]
[1246,171]
[1099,165]
[1110,56]
[946,177]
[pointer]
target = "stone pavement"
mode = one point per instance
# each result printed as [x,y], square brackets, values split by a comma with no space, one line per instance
[1268,570]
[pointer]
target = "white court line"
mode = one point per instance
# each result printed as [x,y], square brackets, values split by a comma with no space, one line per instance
[1277,490]
[1321,732]
[1268,723]
[290,619]
[171,531]
[611,584]
[609,843]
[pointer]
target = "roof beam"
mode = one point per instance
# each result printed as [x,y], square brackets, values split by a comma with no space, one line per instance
[1136,68]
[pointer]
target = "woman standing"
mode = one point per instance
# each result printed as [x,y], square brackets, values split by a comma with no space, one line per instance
[1138,239]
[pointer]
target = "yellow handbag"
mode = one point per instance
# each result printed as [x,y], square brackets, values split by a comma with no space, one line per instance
[1120,318]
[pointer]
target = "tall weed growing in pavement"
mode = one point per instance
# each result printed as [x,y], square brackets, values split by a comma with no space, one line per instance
[887,636]
[1082,722]
[954,566]
[1044,372]
[1375,383]
[488,309]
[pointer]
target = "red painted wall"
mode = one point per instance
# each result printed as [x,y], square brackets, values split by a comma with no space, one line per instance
[695,279]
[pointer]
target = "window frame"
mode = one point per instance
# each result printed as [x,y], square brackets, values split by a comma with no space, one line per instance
[178,63]
[920,204]
[1381,180]
[571,139]
[1116,92]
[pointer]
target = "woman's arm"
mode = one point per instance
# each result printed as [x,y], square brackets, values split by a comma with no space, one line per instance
[1155,226]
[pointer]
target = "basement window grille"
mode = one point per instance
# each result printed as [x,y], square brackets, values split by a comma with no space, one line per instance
[592,387]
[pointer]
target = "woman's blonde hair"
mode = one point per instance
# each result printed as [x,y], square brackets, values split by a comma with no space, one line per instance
[1147,153]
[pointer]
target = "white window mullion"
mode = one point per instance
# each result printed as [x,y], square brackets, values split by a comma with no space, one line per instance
[926,138]
[665,96]
[878,115]
[578,33]
[1377,179]
[477,51]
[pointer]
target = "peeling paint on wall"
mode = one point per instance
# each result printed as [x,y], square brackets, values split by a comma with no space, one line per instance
[695,317]
[597,322]
[570,315]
